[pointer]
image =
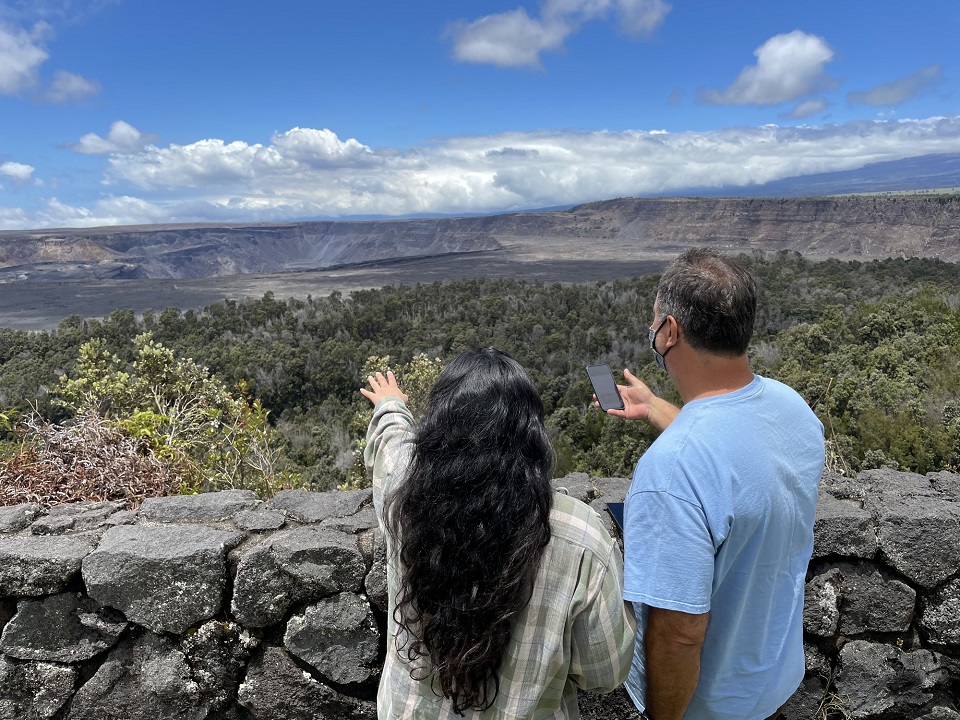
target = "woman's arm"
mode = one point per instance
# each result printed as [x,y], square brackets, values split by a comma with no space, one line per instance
[604,633]
[389,437]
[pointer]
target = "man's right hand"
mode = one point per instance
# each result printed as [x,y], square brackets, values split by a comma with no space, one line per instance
[640,403]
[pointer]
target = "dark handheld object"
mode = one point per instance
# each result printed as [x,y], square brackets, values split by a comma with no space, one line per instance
[616,512]
[605,387]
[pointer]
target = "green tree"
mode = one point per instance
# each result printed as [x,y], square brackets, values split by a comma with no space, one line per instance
[184,414]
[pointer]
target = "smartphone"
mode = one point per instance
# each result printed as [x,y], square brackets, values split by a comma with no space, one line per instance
[605,387]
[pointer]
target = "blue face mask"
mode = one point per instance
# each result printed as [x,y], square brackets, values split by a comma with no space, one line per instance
[652,335]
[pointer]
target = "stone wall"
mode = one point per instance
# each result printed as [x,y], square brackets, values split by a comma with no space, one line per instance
[222,607]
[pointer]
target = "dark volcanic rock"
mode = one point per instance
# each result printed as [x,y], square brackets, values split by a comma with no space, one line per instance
[878,679]
[33,690]
[38,565]
[299,565]
[63,628]
[276,688]
[166,578]
[338,636]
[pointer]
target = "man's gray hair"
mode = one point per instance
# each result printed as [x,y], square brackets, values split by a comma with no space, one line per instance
[713,298]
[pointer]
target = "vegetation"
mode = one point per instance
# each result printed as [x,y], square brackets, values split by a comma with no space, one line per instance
[270,397]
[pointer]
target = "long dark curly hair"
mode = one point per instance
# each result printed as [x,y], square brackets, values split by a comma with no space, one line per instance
[471,522]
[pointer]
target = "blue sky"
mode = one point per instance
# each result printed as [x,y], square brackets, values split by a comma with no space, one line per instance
[129,112]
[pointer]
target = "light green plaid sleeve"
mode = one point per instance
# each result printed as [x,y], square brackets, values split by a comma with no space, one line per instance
[389,447]
[602,643]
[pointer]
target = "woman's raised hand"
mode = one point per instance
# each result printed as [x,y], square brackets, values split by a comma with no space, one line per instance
[381,386]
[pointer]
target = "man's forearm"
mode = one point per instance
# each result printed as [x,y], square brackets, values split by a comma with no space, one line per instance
[672,664]
[662,413]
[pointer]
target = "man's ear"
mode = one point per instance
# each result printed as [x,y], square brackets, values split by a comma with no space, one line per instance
[673,331]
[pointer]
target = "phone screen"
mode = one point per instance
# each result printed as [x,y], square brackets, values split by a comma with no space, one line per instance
[605,387]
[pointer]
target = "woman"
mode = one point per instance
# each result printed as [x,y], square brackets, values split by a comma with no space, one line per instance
[505,597]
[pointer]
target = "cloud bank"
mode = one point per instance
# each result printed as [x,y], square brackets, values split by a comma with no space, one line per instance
[310,173]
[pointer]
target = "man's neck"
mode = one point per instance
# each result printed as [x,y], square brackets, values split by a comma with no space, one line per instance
[699,375]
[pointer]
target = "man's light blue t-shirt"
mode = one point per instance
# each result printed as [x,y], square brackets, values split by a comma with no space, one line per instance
[719,519]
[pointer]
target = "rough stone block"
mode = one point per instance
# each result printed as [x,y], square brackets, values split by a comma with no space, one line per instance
[65,628]
[940,713]
[218,653]
[338,636]
[259,520]
[882,680]
[364,519]
[941,616]
[884,481]
[821,604]
[947,483]
[872,601]
[805,701]
[166,578]
[33,690]
[842,487]
[145,678]
[75,517]
[33,565]
[815,662]
[920,537]
[275,688]
[577,485]
[616,705]
[205,507]
[17,517]
[375,584]
[843,527]
[299,565]
[310,507]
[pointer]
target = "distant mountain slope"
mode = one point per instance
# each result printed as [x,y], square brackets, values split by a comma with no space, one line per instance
[910,174]
[627,229]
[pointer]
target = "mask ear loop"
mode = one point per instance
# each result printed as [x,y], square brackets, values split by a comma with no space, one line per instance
[660,359]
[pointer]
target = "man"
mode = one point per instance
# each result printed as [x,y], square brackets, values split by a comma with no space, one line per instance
[719,517]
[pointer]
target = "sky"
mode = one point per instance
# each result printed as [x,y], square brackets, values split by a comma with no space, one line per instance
[119,112]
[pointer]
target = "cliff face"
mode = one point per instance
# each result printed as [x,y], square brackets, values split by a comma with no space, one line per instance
[851,227]
[845,227]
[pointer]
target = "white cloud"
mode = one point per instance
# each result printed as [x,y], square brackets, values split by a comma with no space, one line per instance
[21,55]
[122,138]
[307,173]
[901,89]
[641,17]
[293,154]
[807,108]
[511,39]
[17,171]
[68,87]
[321,148]
[514,39]
[789,67]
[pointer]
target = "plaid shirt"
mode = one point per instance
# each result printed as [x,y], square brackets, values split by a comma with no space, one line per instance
[574,633]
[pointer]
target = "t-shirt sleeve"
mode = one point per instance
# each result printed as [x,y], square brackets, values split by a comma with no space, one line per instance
[668,552]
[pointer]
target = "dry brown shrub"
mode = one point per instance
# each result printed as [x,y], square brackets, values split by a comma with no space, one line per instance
[85,460]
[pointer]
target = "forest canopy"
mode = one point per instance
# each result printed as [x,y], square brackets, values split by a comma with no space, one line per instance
[872,346]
